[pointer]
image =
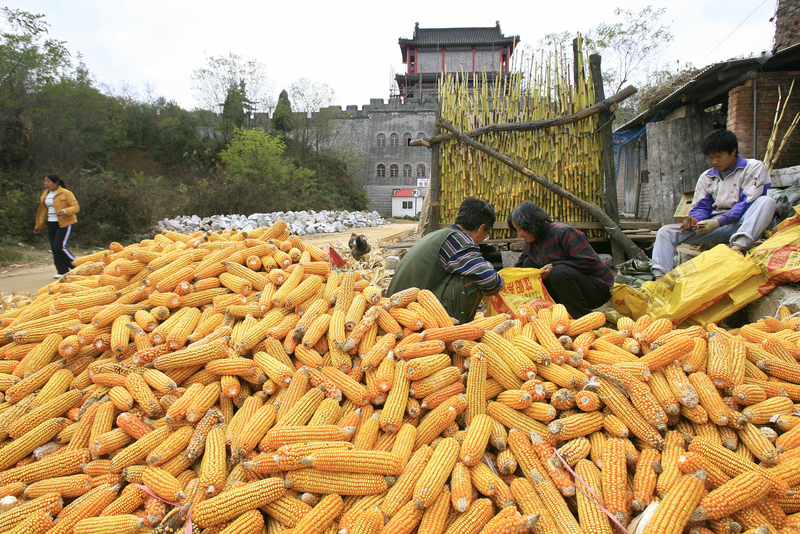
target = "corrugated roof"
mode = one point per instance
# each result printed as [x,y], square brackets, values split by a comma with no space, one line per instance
[714,77]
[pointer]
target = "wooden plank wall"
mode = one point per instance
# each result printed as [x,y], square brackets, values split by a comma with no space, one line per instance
[674,161]
[632,160]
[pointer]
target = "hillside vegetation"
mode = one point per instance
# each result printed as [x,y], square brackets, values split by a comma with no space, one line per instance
[132,162]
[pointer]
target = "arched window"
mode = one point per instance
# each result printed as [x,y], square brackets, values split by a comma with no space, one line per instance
[381,171]
[393,171]
[421,135]
[406,171]
[406,139]
[381,140]
[394,140]
[420,171]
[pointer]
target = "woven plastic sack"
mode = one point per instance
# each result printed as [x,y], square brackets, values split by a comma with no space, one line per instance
[628,301]
[705,289]
[522,286]
[779,256]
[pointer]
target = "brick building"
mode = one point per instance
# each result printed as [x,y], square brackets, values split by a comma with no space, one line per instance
[751,111]
[658,151]
[382,130]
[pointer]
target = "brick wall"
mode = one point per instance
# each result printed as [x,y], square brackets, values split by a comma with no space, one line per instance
[741,115]
[787,24]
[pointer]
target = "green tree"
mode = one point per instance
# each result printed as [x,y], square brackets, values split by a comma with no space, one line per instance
[257,177]
[232,81]
[234,111]
[72,127]
[28,61]
[282,118]
[177,133]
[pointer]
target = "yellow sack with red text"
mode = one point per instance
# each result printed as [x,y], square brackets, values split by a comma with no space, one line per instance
[521,286]
[779,256]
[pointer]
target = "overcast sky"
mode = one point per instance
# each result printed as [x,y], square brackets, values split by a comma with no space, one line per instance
[351,45]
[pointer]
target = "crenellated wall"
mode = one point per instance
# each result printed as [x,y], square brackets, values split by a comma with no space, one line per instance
[360,128]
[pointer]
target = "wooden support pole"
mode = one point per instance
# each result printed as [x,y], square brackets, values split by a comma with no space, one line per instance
[607,139]
[609,103]
[434,191]
[613,229]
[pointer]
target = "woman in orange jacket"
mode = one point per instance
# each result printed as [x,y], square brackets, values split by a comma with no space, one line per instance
[57,209]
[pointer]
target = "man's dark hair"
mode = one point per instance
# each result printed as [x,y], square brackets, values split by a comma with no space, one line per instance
[721,140]
[530,218]
[474,212]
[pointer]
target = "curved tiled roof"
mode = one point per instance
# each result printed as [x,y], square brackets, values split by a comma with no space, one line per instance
[458,36]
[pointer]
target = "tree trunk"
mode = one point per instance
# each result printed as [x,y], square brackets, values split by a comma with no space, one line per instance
[434,191]
[607,139]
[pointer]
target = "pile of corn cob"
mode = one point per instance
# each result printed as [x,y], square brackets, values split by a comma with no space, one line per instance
[239,378]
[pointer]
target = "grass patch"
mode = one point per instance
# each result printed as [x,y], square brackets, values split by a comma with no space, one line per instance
[10,254]
[13,254]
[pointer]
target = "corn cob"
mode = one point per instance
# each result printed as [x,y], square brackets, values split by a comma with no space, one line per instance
[138,450]
[233,503]
[622,408]
[197,355]
[740,492]
[25,444]
[316,481]
[553,502]
[55,408]
[522,366]
[577,425]
[435,473]
[50,503]
[321,516]
[212,468]
[84,507]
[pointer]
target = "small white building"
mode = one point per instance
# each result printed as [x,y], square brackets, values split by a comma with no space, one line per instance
[408,202]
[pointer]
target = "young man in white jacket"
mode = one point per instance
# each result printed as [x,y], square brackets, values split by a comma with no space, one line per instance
[730,204]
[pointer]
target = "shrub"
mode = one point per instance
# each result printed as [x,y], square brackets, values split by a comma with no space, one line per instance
[113,207]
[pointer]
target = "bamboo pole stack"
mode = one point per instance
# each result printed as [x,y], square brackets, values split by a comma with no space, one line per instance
[570,156]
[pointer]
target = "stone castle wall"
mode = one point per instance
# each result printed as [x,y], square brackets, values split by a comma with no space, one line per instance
[358,130]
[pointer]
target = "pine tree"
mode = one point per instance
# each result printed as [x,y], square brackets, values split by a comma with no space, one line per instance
[282,118]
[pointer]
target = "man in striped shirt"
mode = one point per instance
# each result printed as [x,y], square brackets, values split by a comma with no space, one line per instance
[448,262]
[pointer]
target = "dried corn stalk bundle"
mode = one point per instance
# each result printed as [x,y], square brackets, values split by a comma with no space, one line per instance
[570,156]
[321,406]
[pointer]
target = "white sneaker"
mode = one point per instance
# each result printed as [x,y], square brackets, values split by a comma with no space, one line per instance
[57,276]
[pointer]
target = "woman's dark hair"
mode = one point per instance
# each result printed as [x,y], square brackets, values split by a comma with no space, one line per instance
[474,212]
[55,179]
[530,218]
[721,140]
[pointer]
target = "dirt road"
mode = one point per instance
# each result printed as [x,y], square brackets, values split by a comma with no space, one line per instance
[30,278]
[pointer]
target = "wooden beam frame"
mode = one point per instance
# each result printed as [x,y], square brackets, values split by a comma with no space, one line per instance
[609,104]
[613,229]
